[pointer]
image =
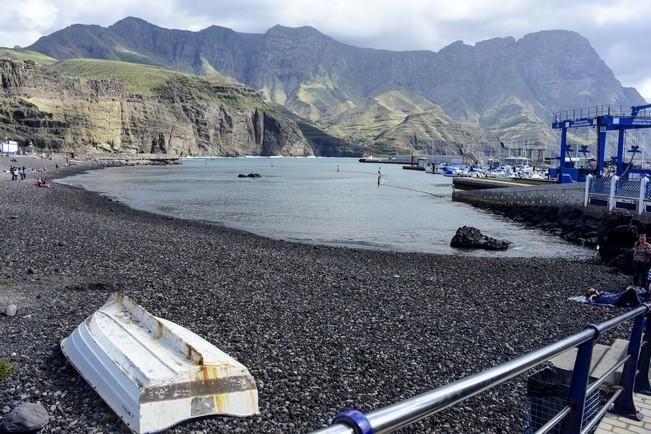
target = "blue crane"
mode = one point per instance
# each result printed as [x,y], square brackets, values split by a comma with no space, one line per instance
[604,120]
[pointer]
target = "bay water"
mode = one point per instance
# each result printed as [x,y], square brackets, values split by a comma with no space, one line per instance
[319,200]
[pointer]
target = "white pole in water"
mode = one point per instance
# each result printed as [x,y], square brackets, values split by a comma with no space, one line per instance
[643,183]
[586,198]
[613,189]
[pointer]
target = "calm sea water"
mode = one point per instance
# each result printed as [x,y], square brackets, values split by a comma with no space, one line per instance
[308,200]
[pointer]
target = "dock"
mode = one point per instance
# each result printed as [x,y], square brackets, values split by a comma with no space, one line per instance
[380,161]
[464,183]
[413,167]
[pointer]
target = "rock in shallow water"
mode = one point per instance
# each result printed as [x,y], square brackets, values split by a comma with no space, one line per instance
[468,237]
[27,417]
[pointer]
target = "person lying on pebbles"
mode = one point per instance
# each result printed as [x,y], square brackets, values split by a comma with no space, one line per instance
[630,297]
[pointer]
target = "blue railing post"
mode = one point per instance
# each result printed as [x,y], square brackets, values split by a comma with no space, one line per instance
[574,420]
[624,405]
[642,381]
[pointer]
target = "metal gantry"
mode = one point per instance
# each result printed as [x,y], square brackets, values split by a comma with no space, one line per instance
[604,119]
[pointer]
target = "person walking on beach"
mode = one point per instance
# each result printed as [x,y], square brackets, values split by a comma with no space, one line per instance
[641,258]
[379,176]
[23,173]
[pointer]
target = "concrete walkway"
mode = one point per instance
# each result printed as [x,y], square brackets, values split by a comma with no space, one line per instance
[617,424]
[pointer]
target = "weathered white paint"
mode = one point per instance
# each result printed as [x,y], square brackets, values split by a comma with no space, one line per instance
[154,373]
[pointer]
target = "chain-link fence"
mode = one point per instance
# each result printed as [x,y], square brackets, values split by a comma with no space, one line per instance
[626,188]
[600,186]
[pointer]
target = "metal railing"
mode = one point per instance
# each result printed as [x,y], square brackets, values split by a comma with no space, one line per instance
[404,413]
[630,194]
[598,110]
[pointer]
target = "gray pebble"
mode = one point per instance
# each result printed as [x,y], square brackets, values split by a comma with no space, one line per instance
[27,417]
[11,310]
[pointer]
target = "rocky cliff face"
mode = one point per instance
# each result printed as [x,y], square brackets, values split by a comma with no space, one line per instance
[506,87]
[185,115]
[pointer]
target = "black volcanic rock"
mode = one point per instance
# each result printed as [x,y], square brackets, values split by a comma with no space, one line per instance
[468,237]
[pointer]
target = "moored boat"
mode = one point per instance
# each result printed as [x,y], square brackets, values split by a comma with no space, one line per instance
[154,373]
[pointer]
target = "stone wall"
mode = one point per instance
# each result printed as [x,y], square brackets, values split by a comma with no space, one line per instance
[554,195]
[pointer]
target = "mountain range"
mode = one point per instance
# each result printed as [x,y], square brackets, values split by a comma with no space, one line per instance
[498,90]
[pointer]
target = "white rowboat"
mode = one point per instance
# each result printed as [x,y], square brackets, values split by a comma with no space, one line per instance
[154,373]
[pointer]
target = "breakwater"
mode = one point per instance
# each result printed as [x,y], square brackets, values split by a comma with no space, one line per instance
[558,210]
[551,195]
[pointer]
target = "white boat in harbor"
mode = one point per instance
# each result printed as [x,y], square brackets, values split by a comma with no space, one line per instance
[154,373]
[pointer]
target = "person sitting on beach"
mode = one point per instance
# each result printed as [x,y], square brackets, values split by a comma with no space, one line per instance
[42,182]
[630,297]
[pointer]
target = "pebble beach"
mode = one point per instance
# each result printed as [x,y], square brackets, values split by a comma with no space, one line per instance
[320,328]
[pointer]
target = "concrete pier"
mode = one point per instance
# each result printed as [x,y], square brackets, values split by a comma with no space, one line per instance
[538,195]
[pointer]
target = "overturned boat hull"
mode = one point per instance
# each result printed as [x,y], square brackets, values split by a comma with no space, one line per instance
[154,373]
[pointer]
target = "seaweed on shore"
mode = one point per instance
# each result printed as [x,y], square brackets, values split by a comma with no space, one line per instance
[6,369]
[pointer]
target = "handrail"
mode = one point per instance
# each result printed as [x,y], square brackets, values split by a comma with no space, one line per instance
[551,423]
[401,414]
[601,380]
[614,322]
[590,112]
[602,412]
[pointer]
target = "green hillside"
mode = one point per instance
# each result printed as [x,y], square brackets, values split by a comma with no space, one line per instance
[21,54]
[137,78]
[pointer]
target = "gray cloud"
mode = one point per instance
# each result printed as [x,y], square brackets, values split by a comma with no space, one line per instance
[618,29]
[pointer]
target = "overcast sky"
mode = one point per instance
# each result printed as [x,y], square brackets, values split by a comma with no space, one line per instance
[619,30]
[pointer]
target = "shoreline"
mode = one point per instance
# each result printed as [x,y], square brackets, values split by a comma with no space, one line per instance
[573,251]
[321,328]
